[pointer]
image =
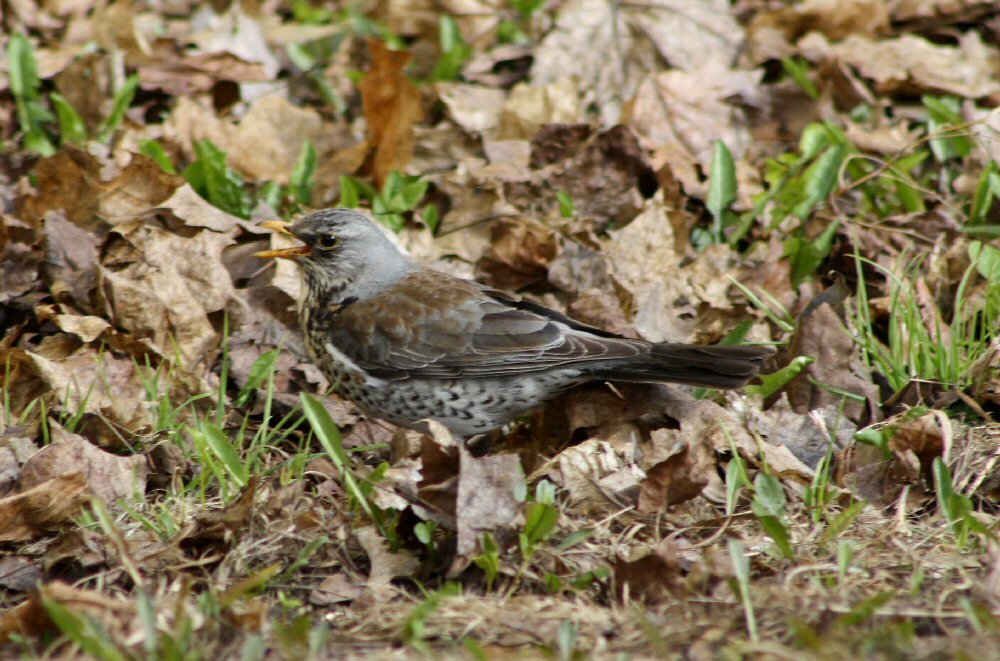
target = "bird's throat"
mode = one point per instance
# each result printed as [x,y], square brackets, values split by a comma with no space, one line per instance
[321,301]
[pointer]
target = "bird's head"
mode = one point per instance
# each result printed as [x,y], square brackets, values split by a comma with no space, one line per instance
[341,250]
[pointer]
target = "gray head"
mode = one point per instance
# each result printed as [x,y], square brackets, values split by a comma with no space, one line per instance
[343,252]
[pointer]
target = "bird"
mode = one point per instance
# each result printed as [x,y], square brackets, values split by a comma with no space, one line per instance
[407,343]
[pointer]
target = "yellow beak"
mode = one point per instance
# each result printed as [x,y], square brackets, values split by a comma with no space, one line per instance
[286,253]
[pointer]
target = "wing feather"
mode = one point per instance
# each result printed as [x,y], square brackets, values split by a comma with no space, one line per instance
[431,325]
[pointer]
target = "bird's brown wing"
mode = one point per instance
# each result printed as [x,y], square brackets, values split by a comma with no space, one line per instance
[434,325]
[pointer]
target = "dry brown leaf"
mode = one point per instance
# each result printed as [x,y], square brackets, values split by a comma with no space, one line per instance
[503,66]
[886,137]
[26,619]
[10,469]
[475,108]
[67,181]
[579,269]
[941,12]
[807,436]
[44,507]
[609,49]
[694,108]
[603,471]
[199,73]
[591,42]
[437,149]
[20,260]
[605,173]
[88,328]
[19,573]
[688,34]
[486,500]
[73,181]
[30,618]
[865,470]
[820,333]
[268,141]
[195,211]
[234,32]
[265,144]
[924,436]
[81,549]
[76,379]
[603,311]
[215,527]
[14,451]
[664,297]
[677,174]
[438,486]
[914,445]
[529,108]
[167,465]
[29,14]
[70,260]
[771,34]
[392,106]
[108,476]
[335,589]
[385,565]
[403,476]
[703,421]
[653,577]
[415,18]
[678,478]
[598,476]
[86,84]
[116,29]
[912,65]
[519,254]
[985,376]
[162,287]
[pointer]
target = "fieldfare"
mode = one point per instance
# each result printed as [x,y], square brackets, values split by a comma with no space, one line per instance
[406,343]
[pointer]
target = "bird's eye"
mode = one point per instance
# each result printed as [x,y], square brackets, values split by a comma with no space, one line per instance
[327,241]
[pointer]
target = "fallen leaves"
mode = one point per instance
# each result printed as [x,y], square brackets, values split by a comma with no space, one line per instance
[569,160]
[821,332]
[652,577]
[486,500]
[34,617]
[221,527]
[913,65]
[104,391]
[880,470]
[663,295]
[264,144]
[519,254]
[47,487]
[162,287]
[106,475]
[73,181]
[692,108]
[48,505]
[385,565]
[678,478]
[391,106]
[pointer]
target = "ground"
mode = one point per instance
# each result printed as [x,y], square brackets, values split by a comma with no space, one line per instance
[177,480]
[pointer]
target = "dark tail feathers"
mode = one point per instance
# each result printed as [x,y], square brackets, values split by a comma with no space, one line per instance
[706,366]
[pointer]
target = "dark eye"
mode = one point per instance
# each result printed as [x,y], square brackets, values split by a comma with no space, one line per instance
[327,241]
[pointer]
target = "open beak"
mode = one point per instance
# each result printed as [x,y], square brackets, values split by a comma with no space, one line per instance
[287,253]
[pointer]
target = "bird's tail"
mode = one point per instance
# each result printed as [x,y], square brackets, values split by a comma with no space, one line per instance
[706,366]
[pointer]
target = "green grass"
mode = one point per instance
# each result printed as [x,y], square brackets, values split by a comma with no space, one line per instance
[921,340]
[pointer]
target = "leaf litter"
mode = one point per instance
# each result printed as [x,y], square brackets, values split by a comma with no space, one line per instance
[153,455]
